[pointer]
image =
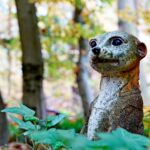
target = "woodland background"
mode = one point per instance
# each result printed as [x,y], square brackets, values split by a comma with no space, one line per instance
[44,59]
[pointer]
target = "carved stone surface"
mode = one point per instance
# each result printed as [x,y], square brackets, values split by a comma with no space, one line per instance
[116,55]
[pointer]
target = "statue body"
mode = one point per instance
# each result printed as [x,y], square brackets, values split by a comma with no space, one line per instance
[116,55]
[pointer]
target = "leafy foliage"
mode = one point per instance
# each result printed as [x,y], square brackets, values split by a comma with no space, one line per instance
[42,132]
[53,120]
[22,110]
[57,33]
[69,123]
[121,139]
[14,131]
[31,123]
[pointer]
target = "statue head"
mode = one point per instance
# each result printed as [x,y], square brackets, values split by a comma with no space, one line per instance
[115,52]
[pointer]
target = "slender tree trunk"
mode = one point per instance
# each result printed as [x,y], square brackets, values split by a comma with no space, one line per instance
[3,124]
[9,71]
[8,50]
[123,24]
[32,62]
[83,74]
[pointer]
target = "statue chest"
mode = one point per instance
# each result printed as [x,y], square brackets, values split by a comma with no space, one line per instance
[115,99]
[109,94]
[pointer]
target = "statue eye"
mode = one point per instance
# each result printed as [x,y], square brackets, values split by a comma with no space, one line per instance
[117,41]
[93,43]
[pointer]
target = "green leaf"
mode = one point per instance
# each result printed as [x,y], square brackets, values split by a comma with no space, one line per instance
[27,110]
[58,145]
[30,118]
[28,132]
[24,125]
[62,138]
[50,118]
[22,110]
[117,140]
[79,142]
[122,139]
[44,136]
[53,120]
[54,137]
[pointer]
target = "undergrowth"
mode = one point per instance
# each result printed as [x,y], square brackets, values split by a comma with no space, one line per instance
[43,133]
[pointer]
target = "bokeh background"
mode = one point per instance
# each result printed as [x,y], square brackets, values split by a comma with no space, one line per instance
[62,29]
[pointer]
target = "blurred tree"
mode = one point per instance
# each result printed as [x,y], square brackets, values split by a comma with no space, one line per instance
[9,50]
[32,62]
[144,10]
[75,33]
[128,16]
[3,124]
[82,64]
[59,28]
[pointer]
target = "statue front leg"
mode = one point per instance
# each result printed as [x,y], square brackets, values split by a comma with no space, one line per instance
[98,122]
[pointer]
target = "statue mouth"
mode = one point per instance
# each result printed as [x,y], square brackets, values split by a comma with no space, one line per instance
[104,60]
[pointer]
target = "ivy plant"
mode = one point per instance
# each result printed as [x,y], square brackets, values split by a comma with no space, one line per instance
[43,133]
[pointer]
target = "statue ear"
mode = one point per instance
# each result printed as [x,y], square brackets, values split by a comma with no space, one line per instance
[142,50]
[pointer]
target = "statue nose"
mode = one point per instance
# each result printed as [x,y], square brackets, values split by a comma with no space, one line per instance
[96,50]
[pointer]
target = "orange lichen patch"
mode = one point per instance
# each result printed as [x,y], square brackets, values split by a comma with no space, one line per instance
[132,79]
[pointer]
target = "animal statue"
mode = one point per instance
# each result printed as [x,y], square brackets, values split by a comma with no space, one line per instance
[116,55]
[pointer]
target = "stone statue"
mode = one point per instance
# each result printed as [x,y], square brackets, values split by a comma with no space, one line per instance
[116,55]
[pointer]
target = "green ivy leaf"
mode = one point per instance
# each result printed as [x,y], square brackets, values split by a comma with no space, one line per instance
[53,120]
[62,138]
[122,139]
[58,145]
[22,110]
[24,125]
[30,118]
[44,136]
[28,132]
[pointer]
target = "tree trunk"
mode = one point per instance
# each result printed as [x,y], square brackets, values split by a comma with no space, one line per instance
[8,51]
[123,23]
[3,124]
[32,62]
[83,74]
